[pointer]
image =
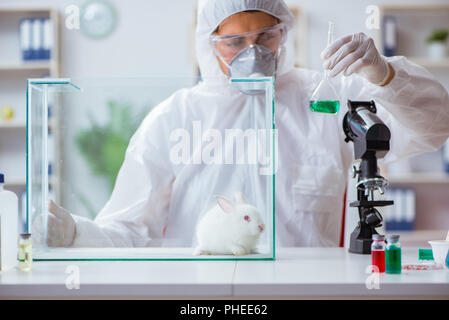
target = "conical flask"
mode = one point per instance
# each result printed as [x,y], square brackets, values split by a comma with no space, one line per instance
[324,98]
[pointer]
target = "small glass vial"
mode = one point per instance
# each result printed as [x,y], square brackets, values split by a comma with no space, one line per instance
[378,253]
[393,252]
[25,252]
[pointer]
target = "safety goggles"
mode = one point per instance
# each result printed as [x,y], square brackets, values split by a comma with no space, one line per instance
[228,46]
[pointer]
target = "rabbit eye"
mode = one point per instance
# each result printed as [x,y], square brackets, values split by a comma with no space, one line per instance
[247,218]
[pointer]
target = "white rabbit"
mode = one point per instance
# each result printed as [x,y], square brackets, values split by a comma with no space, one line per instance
[229,228]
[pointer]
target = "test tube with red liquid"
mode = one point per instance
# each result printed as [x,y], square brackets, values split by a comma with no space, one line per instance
[378,253]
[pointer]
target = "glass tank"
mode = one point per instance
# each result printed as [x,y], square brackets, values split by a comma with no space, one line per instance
[151,169]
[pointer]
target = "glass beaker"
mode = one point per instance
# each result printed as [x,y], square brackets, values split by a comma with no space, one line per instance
[324,98]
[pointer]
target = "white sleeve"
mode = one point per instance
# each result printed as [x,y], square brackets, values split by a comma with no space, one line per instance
[137,210]
[413,105]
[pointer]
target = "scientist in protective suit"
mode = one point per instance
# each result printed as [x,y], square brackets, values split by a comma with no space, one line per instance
[153,198]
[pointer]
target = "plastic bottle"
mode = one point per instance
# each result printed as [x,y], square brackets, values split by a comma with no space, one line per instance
[393,252]
[378,253]
[9,208]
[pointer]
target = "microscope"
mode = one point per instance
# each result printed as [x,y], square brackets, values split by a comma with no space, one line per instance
[371,139]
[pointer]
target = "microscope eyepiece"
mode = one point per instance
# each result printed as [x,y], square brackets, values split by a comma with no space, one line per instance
[362,126]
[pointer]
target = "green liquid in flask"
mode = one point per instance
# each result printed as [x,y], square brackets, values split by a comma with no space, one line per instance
[325,106]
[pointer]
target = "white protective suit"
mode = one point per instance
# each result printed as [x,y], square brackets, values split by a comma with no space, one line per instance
[153,198]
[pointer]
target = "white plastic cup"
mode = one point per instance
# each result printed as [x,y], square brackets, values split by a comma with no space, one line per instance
[440,249]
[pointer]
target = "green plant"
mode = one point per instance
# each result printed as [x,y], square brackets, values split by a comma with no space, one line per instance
[104,146]
[438,35]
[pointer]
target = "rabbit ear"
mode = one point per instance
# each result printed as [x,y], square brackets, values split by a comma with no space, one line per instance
[225,204]
[239,197]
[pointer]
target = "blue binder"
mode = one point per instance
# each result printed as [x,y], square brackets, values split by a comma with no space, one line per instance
[25,39]
[36,38]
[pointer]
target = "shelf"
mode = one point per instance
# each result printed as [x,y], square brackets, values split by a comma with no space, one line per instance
[420,178]
[23,9]
[24,66]
[414,23]
[429,63]
[12,124]
[15,182]
[417,7]
[52,124]
[419,237]
[15,72]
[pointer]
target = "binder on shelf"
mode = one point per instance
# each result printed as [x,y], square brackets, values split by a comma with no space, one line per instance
[51,153]
[25,39]
[47,38]
[36,38]
[389,36]
[400,216]
[410,207]
[445,150]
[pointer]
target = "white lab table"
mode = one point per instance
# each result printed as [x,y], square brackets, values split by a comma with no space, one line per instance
[296,273]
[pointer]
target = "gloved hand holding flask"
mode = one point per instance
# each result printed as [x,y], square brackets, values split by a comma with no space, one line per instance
[357,53]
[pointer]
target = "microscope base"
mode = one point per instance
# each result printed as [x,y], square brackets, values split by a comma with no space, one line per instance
[359,245]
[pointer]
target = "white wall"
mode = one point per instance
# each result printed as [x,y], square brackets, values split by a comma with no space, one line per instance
[152,38]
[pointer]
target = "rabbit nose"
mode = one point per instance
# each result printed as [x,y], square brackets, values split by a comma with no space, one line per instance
[261,227]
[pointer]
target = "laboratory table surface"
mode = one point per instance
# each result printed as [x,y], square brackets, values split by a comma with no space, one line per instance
[296,273]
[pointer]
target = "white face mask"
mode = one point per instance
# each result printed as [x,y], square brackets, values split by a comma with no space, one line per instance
[253,61]
[259,59]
